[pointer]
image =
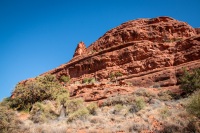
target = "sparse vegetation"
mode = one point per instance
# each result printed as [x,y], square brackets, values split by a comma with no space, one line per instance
[193,105]
[118,74]
[39,89]
[140,103]
[118,107]
[73,105]
[88,80]
[114,75]
[165,95]
[173,40]
[141,107]
[80,113]
[65,79]
[92,108]
[42,112]
[8,122]
[164,112]
[190,81]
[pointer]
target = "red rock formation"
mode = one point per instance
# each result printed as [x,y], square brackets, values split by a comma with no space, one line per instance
[161,29]
[80,49]
[197,30]
[147,52]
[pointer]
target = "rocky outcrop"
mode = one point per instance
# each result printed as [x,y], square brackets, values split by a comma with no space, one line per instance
[142,52]
[80,49]
[197,30]
[159,30]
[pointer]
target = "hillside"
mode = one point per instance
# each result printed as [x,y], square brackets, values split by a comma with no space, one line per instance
[144,52]
[132,79]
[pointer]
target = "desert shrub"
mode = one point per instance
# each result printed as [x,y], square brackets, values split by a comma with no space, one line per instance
[85,81]
[91,80]
[92,108]
[75,109]
[61,99]
[190,81]
[136,127]
[173,95]
[41,88]
[164,112]
[88,80]
[156,85]
[117,108]
[42,112]
[73,105]
[171,129]
[145,93]
[65,78]
[80,113]
[5,102]
[192,127]
[77,82]
[96,119]
[193,104]
[164,95]
[118,74]
[137,105]
[8,122]
[114,75]
[119,99]
[140,103]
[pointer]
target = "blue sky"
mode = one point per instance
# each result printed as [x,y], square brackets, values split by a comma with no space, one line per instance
[39,35]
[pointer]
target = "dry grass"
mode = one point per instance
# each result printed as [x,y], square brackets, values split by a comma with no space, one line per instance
[117,115]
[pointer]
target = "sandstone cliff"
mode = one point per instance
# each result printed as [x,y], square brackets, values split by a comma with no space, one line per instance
[146,53]
[137,48]
[130,70]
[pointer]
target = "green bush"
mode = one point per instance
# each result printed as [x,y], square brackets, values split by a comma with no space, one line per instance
[164,112]
[140,103]
[118,74]
[193,105]
[65,79]
[75,109]
[80,113]
[118,107]
[43,111]
[61,99]
[127,99]
[190,81]
[41,88]
[73,105]
[6,102]
[137,105]
[114,75]
[88,80]
[91,80]
[164,95]
[85,81]
[8,122]
[92,108]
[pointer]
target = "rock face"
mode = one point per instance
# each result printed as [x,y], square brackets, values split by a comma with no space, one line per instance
[80,49]
[159,30]
[197,30]
[142,52]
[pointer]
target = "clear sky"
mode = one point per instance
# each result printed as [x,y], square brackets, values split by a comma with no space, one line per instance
[39,35]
